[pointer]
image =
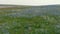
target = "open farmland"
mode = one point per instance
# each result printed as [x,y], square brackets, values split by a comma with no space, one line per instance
[30,20]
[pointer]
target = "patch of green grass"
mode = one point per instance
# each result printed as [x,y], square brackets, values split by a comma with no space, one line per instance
[48,24]
[33,25]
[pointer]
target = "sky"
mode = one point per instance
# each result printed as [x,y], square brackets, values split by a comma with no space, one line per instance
[30,2]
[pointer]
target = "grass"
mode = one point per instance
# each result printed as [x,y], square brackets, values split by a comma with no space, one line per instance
[48,24]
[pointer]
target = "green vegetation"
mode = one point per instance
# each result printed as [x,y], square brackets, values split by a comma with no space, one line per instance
[46,24]
[33,25]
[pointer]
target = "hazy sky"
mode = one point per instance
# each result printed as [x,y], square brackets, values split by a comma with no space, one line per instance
[30,2]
